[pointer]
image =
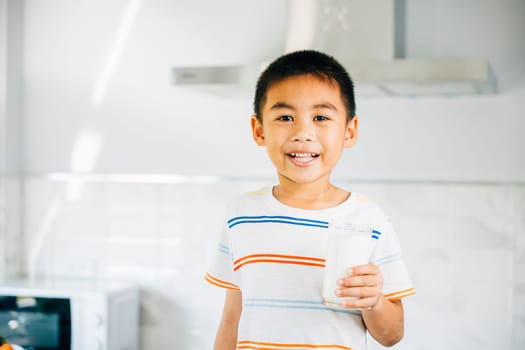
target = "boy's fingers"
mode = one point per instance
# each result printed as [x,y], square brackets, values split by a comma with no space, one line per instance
[364,280]
[359,292]
[368,269]
[364,303]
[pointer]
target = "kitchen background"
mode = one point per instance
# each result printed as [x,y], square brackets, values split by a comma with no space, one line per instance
[108,168]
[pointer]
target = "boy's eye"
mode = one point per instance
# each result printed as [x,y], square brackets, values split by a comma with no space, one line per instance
[286,118]
[320,118]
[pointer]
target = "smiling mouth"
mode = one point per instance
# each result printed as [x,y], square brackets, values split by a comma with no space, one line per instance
[303,157]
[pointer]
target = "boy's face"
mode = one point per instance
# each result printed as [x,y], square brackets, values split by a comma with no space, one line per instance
[304,128]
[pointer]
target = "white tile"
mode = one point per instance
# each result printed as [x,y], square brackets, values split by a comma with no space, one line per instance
[519,271]
[77,258]
[133,224]
[464,246]
[76,221]
[446,234]
[3,218]
[11,215]
[132,197]
[93,194]
[469,319]
[38,194]
[490,266]
[519,230]
[519,316]
[170,225]
[144,255]
[171,198]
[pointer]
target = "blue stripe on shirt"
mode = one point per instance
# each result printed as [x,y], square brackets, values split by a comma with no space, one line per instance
[223,250]
[387,259]
[276,219]
[295,304]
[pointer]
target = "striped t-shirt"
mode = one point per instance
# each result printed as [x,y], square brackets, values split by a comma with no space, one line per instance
[275,254]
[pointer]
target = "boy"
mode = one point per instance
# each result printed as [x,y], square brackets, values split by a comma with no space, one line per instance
[271,256]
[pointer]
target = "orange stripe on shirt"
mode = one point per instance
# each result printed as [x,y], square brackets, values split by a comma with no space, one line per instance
[220,283]
[247,344]
[401,294]
[277,262]
[257,347]
[278,256]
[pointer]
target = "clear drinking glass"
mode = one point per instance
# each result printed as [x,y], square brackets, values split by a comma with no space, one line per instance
[347,245]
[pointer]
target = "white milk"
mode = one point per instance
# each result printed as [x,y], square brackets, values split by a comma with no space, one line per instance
[346,246]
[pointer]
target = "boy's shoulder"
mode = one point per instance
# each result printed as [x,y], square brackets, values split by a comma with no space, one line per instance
[364,202]
[259,201]
[251,196]
[367,210]
[361,198]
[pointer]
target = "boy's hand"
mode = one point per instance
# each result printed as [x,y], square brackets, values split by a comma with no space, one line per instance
[364,282]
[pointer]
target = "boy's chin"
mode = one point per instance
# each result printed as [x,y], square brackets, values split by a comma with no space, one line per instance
[302,180]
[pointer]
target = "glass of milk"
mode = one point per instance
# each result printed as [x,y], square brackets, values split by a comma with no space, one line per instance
[347,245]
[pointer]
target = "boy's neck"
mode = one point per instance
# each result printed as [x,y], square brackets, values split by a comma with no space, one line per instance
[308,196]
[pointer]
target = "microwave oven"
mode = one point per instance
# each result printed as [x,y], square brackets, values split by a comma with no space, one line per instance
[69,315]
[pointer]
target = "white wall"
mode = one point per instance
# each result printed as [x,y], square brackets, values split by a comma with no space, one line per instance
[143,124]
[457,139]
[11,119]
[146,125]
[463,244]
[470,28]
[11,90]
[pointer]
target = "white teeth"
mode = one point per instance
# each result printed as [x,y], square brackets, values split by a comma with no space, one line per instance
[303,159]
[303,155]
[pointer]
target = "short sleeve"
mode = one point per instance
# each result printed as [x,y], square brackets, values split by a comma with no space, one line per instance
[220,272]
[387,256]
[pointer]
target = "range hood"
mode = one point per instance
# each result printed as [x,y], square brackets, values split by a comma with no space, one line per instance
[368,38]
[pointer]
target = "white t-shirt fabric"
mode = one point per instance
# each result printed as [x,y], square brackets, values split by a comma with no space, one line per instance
[274,254]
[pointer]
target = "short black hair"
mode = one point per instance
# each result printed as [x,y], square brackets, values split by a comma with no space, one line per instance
[305,62]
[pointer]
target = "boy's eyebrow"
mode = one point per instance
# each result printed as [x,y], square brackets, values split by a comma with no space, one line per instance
[326,105]
[279,105]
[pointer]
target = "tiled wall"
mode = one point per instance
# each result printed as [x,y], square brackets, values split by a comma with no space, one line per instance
[464,245]
[10,225]
[2,228]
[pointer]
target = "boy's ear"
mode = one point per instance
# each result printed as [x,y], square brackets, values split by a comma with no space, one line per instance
[351,132]
[257,131]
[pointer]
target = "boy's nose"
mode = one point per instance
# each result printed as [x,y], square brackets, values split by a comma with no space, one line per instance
[302,138]
[302,132]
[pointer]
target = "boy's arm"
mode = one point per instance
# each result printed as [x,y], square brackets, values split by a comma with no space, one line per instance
[227,334]
[385,322]
[383,318]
